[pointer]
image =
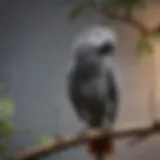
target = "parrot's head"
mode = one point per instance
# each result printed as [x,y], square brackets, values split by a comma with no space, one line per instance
[93,45]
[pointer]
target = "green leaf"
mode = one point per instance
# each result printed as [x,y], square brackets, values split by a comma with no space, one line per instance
[45,140]
[6,108]
[144,47]
[2,149]
[6,129]
[80,7]
[156,33]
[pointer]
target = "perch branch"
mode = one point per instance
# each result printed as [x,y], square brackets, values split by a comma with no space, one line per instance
[69,141]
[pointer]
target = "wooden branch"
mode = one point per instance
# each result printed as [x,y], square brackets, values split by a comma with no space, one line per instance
[128,20]
[112,14]
[69,141]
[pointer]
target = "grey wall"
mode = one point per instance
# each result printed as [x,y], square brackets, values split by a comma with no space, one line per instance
[35,40]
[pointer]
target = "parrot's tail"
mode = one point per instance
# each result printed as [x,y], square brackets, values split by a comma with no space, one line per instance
[103,146]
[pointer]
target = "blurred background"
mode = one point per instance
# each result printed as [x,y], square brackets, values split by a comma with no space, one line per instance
[35,39]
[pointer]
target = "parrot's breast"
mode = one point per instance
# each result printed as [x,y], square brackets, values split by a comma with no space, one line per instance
[94,90]
[89,96]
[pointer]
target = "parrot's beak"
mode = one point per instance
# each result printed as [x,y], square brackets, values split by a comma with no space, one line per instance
[106,49]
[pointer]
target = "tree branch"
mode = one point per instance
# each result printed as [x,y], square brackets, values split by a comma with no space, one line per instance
[69,141]
[126,19]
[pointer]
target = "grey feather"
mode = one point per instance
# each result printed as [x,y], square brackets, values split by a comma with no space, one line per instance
[91,84]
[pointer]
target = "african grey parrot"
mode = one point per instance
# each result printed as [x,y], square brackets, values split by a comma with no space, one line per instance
[92,86]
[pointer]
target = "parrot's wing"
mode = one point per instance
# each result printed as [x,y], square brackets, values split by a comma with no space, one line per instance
[112,96]
[73,93]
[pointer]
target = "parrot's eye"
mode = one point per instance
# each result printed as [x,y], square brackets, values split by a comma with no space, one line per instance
[106,48]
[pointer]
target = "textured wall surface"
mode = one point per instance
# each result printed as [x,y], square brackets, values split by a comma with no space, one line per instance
[35,42]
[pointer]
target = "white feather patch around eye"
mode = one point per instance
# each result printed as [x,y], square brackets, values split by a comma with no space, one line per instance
[95,35]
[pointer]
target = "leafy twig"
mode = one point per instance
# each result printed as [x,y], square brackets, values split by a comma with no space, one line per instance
[126,19]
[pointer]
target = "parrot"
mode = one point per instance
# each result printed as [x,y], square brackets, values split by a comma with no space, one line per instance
[92,86]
